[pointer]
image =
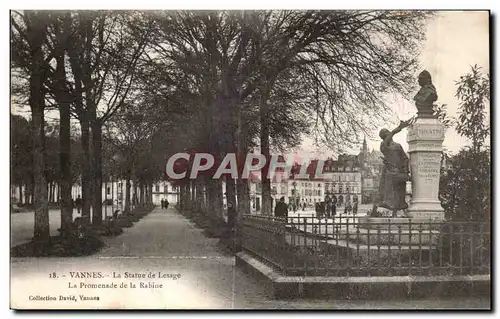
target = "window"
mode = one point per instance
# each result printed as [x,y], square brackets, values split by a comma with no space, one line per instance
[319,185]
[340,188]
[108,190]
[157,188]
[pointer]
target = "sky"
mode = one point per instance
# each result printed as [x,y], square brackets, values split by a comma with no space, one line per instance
[455,40]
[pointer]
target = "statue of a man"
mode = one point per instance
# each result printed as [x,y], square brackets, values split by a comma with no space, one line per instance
[395,172]
[426,96]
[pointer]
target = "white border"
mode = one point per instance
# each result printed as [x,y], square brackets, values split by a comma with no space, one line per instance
[147,4]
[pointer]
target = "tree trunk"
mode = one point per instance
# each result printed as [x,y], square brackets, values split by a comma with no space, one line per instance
[36,35]
[54,188]
[215,201]
[142,196]
[187,195]
[41,229]
[97,170]
[231,197]
[112,195]
[199,196]
[32,191]
[127,193]
[242,184]
[243,197]
[20,194]
[264,150]
[151,194]
[193,194]
[51,195]
[182,191]
[135,200]
[86,173]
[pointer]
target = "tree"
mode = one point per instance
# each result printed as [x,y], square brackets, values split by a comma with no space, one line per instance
[474,93]
[59,38]
[28,35]
[106,47]
[350,59]
[465,189]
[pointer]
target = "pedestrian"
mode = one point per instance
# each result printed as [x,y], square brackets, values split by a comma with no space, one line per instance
[334,205]
[166,203]
[303,206]
[355,208]
[328,203]
[162,203]
[78,204]
[348,207]
[281,209]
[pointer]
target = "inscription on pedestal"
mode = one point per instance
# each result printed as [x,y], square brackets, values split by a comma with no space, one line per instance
[426,132]
[428,167]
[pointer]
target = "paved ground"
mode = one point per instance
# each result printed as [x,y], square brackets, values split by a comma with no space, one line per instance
[21,224]
[165,242]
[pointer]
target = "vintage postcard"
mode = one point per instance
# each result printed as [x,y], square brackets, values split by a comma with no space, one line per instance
[250,159]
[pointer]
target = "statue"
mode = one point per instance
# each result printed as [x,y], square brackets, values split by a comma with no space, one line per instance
[395,172]
[426,96]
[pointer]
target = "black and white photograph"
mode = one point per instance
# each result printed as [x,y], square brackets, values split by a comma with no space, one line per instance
[229,159]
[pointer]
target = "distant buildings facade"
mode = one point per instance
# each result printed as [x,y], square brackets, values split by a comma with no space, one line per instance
[112,192]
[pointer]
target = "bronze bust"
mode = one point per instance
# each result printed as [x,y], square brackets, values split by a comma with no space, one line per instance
[426,96]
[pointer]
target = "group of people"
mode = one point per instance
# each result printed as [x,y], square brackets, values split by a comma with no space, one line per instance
[164,203]
[328,208]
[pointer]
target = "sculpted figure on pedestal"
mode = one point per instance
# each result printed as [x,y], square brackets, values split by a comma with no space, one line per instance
[426,96]
[395,172]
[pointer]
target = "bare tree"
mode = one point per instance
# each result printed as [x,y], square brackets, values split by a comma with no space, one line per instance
[28,35]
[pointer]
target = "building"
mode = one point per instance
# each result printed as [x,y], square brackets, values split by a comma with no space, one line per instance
[343,178]
[371,167]
[113,193]
[306,191]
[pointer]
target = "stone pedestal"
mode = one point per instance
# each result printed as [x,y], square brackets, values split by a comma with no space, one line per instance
[425,139]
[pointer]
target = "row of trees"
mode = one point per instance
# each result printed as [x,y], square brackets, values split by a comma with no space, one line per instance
[265,78]
[145,85]
[83,64]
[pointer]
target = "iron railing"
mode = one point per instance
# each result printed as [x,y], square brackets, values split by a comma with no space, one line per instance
[357,246]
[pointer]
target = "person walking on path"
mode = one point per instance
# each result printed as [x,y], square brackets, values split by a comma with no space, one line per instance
[334,205]
[166,203]
[78,204]
[328,204]
[281,209]
[162,203]
[348,207]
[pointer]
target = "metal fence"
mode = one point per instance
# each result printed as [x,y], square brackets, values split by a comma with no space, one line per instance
[353,246]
